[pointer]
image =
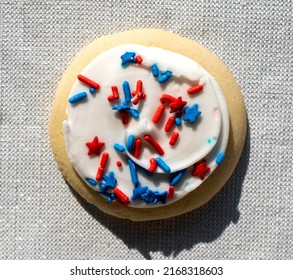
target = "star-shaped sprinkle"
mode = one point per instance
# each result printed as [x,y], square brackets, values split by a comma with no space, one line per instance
[200,169]
[154,196]
[177,105]
[128,57]
[138,191]
[191,113]
[109,181]
[95,146]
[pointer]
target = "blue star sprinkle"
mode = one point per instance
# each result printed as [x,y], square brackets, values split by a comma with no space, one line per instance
[149,196]
[109,181]
[138,191]
[191,113]
[128,57]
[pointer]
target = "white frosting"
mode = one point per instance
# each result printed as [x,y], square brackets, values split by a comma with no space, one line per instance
[94,116]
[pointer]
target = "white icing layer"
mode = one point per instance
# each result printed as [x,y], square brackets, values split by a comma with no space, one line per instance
[94,116]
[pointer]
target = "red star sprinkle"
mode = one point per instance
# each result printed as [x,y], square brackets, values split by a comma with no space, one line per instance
[95,146]
[200,169]
[177,105]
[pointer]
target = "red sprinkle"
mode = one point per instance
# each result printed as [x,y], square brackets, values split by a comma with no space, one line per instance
[100,173]
[167,98]
[104,159]
[138,59]
[174,138]
[158,114]
[122,196]
[118,163]
[137,148]
[155,144]
[124,117]
[153,165]
[200,169]
[169,124]
[138,93]
[115,94]
[171,192]
[195,89]
[88,82]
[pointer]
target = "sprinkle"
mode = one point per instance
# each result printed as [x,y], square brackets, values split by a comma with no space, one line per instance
[104,159]
[220,158]
[167,98]
[138,93]
[92,90]
[95,146]
[130,142]
[118,163]
[133,173]
[158,114]
[138,59]
[109,181]
[134,113]
[123,107]
[124,117]
[138,191]
[126,90]
[195,89]
[155,144]
[88,82]
[127,57]
[77,97]
[173,138]
[191,113]
[154,197]
[200,169]
[122,196]
[137,148]
[166,76]
[91,181]
[115,94]
[171,192]
[155,70]
[163,165]
[178,121]
[99,173]
[119,148]
[109,196]
[169,124]
[153,165]
[177,177]
[177,105]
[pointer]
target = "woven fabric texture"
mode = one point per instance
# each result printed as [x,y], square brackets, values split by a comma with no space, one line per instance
[41,218]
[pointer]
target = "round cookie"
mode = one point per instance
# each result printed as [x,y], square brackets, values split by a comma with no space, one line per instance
[177,44]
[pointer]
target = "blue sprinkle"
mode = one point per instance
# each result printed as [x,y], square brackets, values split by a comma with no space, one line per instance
[134,113]
[220,158]
[133,173]
[177,177]
[138,191]
[191,113]
[91,181]
[92,90]
[110,196]
[163,165]
[77,97]
[119,148]
[109,181]
[130,142]
[121,107]
[126,90]
[155,70]
[168,74]
[209,141]
[178,121]
[154,197]
[127,57]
